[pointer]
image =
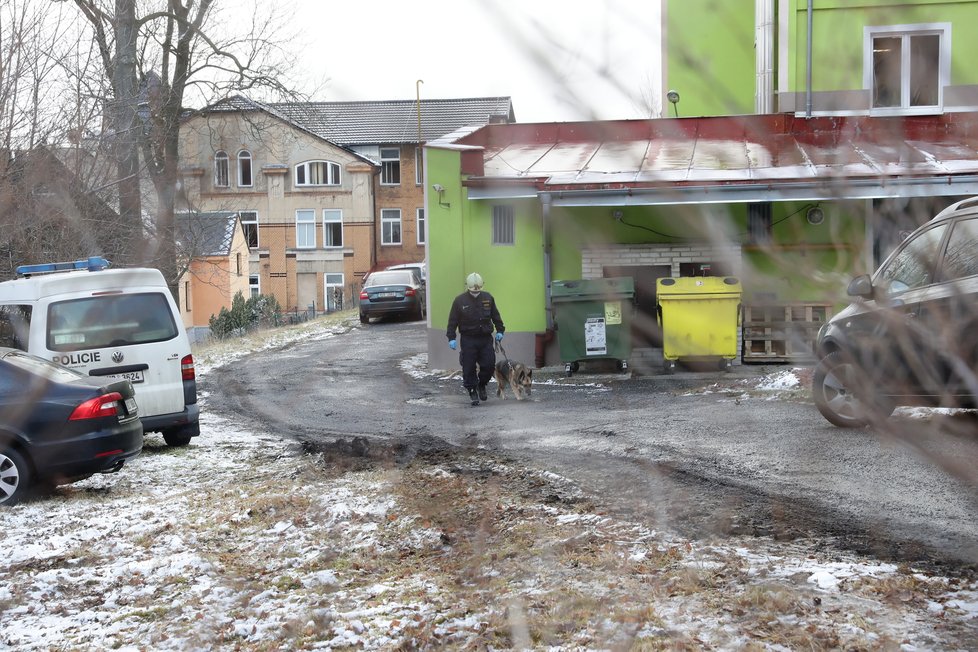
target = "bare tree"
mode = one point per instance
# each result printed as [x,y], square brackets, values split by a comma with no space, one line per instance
[156,54]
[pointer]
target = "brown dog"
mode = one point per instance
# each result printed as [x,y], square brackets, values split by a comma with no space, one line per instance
[516,375]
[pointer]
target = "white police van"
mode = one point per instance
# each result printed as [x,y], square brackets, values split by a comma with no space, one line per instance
[114,323]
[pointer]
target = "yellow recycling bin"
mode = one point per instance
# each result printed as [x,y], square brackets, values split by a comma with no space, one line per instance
[699,317]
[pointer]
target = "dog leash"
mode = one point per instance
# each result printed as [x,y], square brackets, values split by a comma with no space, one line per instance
[500,349]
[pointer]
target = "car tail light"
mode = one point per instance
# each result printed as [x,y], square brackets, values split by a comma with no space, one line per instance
[409,292]
[106,405]
[364,296]
[187,367]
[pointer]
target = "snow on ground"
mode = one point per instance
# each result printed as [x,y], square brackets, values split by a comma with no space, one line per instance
[242,541]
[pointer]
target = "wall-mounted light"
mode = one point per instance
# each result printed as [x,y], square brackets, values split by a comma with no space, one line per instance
[617,214]
[673,97]
[815,216]
[440,189]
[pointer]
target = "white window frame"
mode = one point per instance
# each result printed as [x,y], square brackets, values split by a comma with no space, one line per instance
[332,281]
[421,224]
[254,284]
[305,228]
[250,219]
[222,169]
[387,224]
[503,225]
[304,171]
[942,30]
[419,165]
[332,216]
[389,163]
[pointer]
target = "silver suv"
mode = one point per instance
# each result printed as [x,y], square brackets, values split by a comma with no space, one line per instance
[911,335]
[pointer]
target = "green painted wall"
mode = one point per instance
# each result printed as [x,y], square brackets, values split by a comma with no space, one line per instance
[710,47]
[837,38]
[462,237]
[709,56]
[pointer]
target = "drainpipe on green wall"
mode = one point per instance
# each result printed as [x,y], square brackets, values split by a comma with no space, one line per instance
[545,202]
[542,339]
[808,63]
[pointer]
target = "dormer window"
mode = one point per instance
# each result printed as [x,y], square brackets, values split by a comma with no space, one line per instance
[244,169]
[222,169]
[317,173]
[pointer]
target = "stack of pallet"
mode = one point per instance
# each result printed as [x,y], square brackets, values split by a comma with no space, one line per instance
[782,332]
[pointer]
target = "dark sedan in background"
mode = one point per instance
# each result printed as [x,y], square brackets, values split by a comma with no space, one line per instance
[59,426]
[392,292]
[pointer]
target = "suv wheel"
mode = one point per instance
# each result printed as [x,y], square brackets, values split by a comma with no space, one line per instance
[844,394]
[15,477]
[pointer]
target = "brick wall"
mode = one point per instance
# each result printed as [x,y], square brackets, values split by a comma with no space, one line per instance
[594,259]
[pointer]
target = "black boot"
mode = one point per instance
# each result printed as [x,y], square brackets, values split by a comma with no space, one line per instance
[482,393]
[473,396]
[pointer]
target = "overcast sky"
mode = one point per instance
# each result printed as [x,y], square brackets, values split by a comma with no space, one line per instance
[558,59]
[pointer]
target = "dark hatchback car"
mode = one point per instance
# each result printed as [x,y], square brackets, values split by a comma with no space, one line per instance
[911,335]
[392,292]
[58,425]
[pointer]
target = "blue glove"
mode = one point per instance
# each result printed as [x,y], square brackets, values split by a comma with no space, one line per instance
[499,337]
[452,344]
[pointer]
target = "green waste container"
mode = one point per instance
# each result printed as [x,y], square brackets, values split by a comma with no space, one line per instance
[594,320]
[699,317]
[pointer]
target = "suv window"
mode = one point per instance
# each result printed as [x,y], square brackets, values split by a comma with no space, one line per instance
[112,320]
[961,259]
[913,266]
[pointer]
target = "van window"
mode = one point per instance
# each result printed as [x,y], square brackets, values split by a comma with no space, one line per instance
[15,324]
[110,320]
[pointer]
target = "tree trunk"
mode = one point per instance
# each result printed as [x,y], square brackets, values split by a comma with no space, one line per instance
[126,245]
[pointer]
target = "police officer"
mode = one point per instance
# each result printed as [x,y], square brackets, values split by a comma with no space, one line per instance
[474,315]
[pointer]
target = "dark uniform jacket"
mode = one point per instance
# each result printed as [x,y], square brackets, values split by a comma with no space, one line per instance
[473,316]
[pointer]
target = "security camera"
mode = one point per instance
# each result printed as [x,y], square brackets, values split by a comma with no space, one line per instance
[438,187]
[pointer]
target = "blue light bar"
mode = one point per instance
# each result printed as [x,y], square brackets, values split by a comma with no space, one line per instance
[92,264]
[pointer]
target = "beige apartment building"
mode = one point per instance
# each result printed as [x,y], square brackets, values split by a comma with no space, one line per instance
[326,191]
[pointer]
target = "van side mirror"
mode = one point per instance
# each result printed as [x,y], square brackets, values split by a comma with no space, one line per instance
[861,286]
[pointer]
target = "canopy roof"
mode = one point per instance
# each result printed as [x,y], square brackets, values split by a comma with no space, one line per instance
[722,159]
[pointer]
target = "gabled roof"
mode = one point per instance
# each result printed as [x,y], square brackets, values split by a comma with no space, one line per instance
[380,122]
[723,159]
[206,234]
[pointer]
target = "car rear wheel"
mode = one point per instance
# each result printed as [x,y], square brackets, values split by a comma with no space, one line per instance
[364,319]
[844,394]
[15,477]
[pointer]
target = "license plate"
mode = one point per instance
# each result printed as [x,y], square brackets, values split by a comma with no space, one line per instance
[386,295]
[131,376]
[131,406]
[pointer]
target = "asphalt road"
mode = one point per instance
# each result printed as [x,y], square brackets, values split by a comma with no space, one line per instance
[657,448]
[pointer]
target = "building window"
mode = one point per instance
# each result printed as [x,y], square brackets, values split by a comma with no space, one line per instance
[222,170]
[419,165]
[249,223]
[305,229]
[422,226]
[390,225]
[759,223]
[237,263]
[503,225]
[253,284]
[332,228]
[244,169]
[186,296]
[907,66]
[317,173]
[390,166]
[334,292]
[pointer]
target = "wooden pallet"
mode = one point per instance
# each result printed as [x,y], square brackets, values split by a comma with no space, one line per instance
[782,332]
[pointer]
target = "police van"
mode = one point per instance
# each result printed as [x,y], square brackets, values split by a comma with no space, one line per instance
[114,323]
